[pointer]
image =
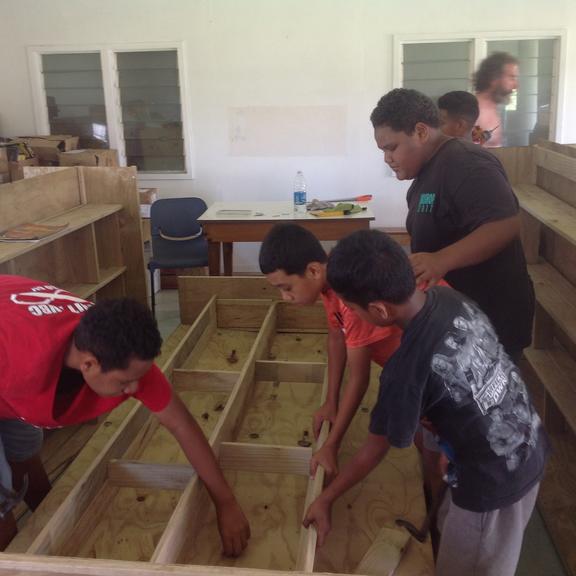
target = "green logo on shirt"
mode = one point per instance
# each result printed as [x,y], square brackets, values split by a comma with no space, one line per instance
[426,202]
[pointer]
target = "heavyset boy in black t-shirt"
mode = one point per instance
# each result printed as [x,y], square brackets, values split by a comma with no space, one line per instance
[458,190]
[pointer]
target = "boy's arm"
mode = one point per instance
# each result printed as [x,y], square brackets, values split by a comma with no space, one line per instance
[358,380]
[336,365]
[232,524]
[364,461]
[480,245]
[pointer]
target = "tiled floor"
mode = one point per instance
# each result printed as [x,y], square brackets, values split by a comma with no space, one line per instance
[538,556]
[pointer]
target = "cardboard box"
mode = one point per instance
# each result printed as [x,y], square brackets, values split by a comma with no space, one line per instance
[47,148]
[16,168]
[4,166]
[148,195]
[89,157]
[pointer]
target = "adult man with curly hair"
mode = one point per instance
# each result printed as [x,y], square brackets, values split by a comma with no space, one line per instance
[494,82]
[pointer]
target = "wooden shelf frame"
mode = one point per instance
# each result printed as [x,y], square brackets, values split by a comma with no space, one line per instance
[546,189]
[99,254]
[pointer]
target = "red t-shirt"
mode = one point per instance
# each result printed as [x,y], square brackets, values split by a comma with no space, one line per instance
[382,340]
[37,322]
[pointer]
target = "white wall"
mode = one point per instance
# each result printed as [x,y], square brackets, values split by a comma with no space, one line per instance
[273,53]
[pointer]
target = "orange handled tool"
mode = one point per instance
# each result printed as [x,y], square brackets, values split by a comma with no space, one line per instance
[365,198]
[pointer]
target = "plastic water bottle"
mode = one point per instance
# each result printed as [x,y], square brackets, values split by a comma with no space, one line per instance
[299,193]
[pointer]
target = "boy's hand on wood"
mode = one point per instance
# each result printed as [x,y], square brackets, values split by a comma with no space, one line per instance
[327,457]
[319,514]
[233,527]
[328,412]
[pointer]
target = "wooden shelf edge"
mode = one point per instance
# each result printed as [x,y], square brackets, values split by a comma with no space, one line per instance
[86,290]
[77,218]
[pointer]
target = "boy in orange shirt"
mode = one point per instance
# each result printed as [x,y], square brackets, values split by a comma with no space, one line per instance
[294,261]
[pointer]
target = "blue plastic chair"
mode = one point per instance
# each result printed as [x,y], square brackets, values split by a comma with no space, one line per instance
[177,237]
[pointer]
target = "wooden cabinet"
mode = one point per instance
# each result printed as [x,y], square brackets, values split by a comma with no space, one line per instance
[99,252]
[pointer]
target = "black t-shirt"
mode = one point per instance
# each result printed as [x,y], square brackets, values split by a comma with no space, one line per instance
[451,369]
[461,188]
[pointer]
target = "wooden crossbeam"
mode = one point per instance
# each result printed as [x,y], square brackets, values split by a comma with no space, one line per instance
[265,458]
[280,371]
[135,474]
[546,208]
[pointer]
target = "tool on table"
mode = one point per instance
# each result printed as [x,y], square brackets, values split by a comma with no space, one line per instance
[341,209]
[11,498]
[422,533]
[364,198]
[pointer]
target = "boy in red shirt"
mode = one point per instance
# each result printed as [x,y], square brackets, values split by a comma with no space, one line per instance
[295,262]
[64,361]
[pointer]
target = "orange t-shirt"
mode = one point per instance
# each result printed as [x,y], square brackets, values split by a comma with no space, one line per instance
[382,340]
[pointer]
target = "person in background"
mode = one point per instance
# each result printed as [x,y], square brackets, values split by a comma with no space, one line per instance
[458,114]
[494,82]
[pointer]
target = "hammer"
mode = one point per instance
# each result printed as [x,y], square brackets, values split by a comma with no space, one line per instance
[422,533]
[11,498]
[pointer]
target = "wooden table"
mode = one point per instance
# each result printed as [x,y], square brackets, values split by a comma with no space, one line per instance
[222,229]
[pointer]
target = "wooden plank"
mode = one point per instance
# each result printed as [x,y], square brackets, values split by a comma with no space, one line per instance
[38,199]
[21,564]
[265,458]
[556,296]
[203,380]
[235,406]
[530,236]
[108,242]
[517,162]
[554,162]
[556,369]
[104,185]
[189,338]
[308,536]
[75,219]
[195,291]
[546,208]
[178,530]
[61,526]
[192,505]
[290,371]
[543,329]
[385,553]
[560,253]
[135,474]
[107,275]
[556,185]
[293,318]
[566,149]
[241,314]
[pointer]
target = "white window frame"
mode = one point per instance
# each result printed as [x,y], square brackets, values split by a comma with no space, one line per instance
[112,95]
[479,49]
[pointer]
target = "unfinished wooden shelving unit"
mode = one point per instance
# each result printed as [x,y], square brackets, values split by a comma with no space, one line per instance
[99,253]
[131,503]
[544,179]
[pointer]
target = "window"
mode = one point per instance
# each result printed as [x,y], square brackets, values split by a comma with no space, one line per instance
[127,99]
[75,97]
[435,66]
